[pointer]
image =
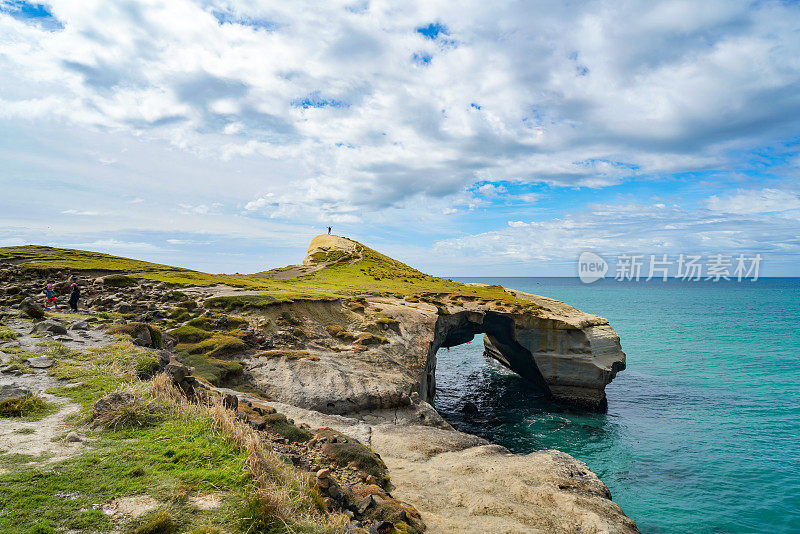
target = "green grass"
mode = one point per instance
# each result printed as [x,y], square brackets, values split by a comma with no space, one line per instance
[29,408]
[213,370]
[216,346]
[6,333]
[189,334]
[278,423]
[345,276]
[289,354]
[170,462]
[181,453]
[48,258]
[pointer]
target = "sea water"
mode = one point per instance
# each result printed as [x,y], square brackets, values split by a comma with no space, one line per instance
[702,432]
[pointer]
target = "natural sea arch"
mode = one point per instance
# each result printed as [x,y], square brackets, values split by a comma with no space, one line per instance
[500,341]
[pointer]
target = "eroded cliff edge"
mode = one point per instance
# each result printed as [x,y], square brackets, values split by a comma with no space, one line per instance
[569,354]
[348,340]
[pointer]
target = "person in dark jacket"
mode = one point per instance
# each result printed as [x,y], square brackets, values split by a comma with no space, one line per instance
[74,296]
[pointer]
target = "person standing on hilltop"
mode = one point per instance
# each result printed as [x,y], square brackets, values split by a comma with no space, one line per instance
[50,296]
[329,230]
[74,296]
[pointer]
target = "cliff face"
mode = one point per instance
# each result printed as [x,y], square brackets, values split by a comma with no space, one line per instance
[568,354]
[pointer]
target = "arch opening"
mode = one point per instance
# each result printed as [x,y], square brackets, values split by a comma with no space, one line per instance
[500,343]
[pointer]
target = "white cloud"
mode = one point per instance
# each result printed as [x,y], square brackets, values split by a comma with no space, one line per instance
[628,228]
[304,114]
[114,246]
[755,201]
[87,213]
[589,94]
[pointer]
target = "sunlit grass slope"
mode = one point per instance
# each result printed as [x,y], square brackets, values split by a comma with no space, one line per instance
[367,273]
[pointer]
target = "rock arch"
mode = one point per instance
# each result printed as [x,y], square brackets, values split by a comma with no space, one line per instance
[570,363]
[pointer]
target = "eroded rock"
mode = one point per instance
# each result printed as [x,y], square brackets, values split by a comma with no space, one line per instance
[50,326]
[30,308]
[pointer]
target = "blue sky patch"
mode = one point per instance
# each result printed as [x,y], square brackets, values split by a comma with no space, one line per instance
[226,17]
[315,100]
[33,13]
[433,30]
[421,58]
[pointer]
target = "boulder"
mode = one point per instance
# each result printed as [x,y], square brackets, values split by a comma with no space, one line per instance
[30,308]
[176,371]
[40,362]
[113,401]
[79,325]
[230,401]
[13,392]
[49,326]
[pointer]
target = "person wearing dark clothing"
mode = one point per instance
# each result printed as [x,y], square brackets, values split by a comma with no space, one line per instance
[329,230]
[74,296]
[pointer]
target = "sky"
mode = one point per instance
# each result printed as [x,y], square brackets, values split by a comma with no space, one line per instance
[464,138]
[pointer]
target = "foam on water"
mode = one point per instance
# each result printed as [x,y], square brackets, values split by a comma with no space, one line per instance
[703,428]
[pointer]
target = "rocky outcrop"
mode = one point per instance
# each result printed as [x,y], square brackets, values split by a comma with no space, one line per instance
[570,355]
[462,483]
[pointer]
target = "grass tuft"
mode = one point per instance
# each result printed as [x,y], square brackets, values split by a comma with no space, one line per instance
[30,407]
[160,523]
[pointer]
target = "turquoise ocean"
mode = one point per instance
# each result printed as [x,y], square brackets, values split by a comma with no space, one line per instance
[702,432]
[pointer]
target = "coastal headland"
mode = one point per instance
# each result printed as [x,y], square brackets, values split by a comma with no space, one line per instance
[317,378]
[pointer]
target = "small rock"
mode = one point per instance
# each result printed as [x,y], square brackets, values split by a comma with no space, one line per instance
[323,473]
[384,527]
[113,401]
[334,491]
[364,504]
[370,479]
[80,325]
[51,326]
[13,392]
[40,362]
[176,371]
[30,308]
[72,437]
[470,409]
[230,402]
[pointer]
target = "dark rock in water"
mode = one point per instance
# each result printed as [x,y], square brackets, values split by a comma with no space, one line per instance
[13,392]
[40,362]
[470,410]
[31,309]
[50,326]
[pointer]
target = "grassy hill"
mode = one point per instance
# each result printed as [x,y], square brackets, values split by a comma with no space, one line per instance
[336,274]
